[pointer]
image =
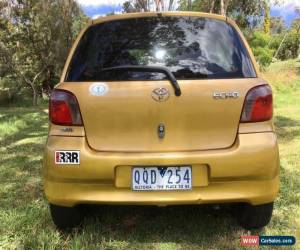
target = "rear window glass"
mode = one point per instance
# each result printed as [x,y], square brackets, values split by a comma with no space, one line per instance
[190,47]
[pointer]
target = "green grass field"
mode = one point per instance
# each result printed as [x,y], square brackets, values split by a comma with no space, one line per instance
[25,221]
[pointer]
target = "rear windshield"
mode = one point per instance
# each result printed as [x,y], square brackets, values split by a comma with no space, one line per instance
[190,47]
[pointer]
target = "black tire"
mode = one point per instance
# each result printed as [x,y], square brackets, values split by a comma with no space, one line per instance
[65,217]
[254,217]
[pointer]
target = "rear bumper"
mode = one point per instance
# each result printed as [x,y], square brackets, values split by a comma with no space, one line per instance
[254,192]
[246,172]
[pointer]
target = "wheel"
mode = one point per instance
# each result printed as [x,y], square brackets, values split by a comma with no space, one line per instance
[65,217]
[254,217]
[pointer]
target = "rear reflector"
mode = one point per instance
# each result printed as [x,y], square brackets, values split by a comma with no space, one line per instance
[258,104]
[64,109]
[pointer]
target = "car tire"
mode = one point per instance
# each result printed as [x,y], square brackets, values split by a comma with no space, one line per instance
[65,217]
[254,217]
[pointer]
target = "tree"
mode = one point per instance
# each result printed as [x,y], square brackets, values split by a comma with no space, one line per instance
[35,40]
[296,25]
[296,22]
[197,5]
[136,6]
[267,19]
[259,42]
[246,13]
[223,7]
[189,4]
[277,25]
[148,5]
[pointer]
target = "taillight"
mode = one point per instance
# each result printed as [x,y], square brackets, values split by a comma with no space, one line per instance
[64,109]
[258,104]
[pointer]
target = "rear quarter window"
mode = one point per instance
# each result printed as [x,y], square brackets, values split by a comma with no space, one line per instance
[190,47]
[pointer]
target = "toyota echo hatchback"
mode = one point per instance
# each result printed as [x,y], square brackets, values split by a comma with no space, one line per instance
[161,109]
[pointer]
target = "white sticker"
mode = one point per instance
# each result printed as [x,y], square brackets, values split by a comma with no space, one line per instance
[98,89]
[67,157]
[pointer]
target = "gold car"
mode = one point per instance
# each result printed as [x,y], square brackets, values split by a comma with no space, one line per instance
[161,109]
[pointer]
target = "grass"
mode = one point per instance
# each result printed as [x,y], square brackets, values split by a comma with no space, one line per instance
[25,221]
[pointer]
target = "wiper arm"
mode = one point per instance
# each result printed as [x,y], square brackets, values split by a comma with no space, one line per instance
[156,69]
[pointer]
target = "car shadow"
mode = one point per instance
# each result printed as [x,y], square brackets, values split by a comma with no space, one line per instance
[198,225]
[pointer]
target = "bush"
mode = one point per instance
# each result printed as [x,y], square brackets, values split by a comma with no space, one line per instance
[259,43]
[263,56]
[259,39]
[12,92]
[6,93]
[290,47]
[275,41]
[5,96]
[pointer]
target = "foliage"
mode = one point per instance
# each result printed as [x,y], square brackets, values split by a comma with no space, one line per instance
[295,26]
[246,13]
[277,25]
[267,19]
[290,47]
[275,41]
[263,56]
[259,43]
[197,5]
[136,6]
[259,39]
[130,6]
[35,38]
[287,45]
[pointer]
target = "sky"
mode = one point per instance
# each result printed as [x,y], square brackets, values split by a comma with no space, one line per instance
[96,8]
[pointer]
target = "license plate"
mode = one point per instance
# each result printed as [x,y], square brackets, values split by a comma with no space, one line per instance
[161,178]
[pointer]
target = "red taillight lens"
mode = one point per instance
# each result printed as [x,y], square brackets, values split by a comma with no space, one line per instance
[64,109]
[258,104]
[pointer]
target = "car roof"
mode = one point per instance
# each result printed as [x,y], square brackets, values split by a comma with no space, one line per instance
[151,14]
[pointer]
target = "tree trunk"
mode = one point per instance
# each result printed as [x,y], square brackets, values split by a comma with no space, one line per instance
[189,5]
[170,7]
[34,89]
[222,8]
[31,83]
[212,6]
[35,97]
[159,3]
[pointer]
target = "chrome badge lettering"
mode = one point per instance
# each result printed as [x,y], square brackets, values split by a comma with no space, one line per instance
[225,95]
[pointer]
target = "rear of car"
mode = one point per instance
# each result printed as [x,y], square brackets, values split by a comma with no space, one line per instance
[161,109]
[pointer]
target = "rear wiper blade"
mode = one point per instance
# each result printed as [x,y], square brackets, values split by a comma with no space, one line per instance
[156,69]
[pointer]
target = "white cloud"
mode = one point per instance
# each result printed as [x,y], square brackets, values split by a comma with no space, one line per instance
[284,4]
[118,12]
[97,15]
[101,15]
[116,3]
[285,8]
[96,3]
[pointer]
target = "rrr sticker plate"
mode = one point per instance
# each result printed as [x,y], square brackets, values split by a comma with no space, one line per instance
[161,178]
[67,157]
